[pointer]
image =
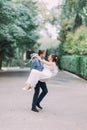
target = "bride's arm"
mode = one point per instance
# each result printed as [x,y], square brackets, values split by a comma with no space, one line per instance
[44,61]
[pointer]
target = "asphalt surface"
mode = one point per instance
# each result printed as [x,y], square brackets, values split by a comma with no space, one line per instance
[65,106]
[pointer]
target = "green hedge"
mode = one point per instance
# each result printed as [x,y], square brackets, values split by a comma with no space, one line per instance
[70,63]
[75,64]
[83,67]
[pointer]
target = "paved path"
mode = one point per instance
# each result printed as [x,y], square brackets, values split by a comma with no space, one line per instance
[65,107]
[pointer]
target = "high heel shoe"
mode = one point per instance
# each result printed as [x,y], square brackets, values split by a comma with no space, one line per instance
[27,87]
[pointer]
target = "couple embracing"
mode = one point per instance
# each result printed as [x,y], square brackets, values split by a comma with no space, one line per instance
[41,71]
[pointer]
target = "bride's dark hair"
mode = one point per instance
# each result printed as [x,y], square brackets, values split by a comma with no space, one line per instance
[54,57]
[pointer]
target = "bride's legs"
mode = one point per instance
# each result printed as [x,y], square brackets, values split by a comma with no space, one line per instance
[32,79]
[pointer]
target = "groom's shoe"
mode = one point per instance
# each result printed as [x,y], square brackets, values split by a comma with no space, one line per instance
[38,105]
[34,109]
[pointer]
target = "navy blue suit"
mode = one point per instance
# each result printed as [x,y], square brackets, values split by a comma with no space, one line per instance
[38,97]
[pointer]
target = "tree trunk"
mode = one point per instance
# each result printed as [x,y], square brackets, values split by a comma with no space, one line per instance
[22,60]
[78,21]
[1,57]
[9,62]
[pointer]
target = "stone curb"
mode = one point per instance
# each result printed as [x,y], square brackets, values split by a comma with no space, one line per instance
[75,76]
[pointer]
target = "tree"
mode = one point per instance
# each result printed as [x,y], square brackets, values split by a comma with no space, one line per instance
[7,15]
[17,29]
[72,15]
[76,43]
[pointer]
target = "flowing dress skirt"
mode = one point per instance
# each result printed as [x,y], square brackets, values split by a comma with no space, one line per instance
[36,76]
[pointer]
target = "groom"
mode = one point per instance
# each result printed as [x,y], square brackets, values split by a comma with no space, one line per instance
[38,97]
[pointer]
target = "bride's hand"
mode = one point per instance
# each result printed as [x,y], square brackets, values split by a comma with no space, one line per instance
[36,55]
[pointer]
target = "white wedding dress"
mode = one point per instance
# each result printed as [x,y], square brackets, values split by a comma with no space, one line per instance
[47,73]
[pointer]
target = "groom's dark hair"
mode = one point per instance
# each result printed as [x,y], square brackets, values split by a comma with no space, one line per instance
[41,52]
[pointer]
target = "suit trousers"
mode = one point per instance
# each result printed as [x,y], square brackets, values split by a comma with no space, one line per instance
[38,97]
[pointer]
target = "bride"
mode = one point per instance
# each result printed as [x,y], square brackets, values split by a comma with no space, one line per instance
[50,70]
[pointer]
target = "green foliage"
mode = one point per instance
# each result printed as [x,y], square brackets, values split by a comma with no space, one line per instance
[17,28]
[58,51]
[73,11]
[84,15]
[83,66]
[75,64]
[72,7]
[76,43]
[70,63]
[7,13]
[73,34]
[66,27]
[79,5]
[32,6]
